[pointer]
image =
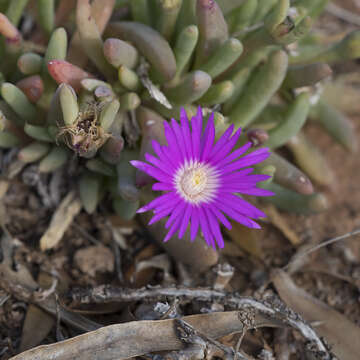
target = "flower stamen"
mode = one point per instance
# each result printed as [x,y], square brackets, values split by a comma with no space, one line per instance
[196,182]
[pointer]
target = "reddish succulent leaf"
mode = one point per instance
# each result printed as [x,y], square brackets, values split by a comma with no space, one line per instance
[32,87]
[65,72]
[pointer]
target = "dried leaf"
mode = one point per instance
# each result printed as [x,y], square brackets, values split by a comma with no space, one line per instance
[280,223]
[4,186]
[37,323]
[341,334]
[61,220]
[247,239]
[36,326]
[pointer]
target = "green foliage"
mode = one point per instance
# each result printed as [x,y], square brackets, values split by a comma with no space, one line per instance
[228,56]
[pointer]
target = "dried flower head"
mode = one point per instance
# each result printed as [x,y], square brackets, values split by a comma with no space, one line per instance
[201,179]
[85,136]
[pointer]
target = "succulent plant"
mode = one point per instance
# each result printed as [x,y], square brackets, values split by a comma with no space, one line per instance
[131,65]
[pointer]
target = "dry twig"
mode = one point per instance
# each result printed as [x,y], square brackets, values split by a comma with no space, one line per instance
[267,311]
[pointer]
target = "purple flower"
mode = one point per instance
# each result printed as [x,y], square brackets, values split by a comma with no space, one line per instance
[200,179]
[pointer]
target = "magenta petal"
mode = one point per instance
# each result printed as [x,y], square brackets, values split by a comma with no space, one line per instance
[225,150]
[163,199]
[258,192]
[159,216]
[205,228]
[179,138]
[234,155]
[150,170]
[163,156]
[172,230]
[186,133]
[215,229]
[185,221]
[173,146]
[175,214]
[209,140]
[163,187]
[211,174]
[242,206]
[221,217]
[196,124]
[194,224]
[159,164]
[222,141]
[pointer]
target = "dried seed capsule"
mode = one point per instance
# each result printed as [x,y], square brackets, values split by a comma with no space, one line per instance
[294,120]
[32,87]
[336,124]
[125,209]
[56,158]
[30,63]
[151,44]
[213,30]
[98,166]
[85,136]
[217,94]
[311,160]
[33,152]
[38,133]
[118,52]
[223,57]
[69,104]
[291,201]
[89,190]
[260,89]
[18,102]
[191,88]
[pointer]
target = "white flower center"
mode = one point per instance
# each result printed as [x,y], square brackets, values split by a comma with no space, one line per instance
[196,182]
